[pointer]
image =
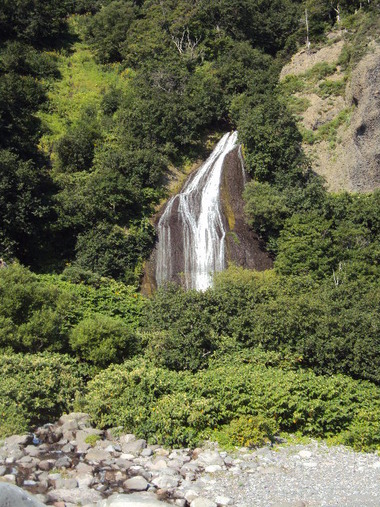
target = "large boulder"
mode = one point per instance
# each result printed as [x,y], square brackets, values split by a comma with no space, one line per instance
[12,496]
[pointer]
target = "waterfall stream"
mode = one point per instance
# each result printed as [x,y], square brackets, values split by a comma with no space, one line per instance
[191,231]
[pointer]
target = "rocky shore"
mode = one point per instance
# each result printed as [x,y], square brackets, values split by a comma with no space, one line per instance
[70,463]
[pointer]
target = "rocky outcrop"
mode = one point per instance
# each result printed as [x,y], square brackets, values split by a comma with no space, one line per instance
[363,154]
[348,157]
[243,245]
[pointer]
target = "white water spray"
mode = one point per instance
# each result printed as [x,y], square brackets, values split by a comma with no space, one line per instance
[191,232]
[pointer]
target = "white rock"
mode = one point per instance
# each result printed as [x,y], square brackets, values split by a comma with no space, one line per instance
[10,478]
[305,454]
[133,500]
[202,502]
[223,500]
[127,456]
[158,464]
[125,439]
[210,458]
[310,464]
[213,468]
[191,494]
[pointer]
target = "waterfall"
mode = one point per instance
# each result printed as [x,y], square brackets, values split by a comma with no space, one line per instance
[191,232]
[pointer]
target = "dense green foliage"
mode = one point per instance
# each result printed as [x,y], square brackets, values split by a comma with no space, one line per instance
[98,98]
[182,408]
[41,313]
[35,388]
[331,325]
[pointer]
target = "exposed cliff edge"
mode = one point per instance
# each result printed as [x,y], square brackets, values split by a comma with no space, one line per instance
[339,114]
[242,245]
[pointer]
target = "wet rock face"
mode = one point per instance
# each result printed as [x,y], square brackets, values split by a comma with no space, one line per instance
[241,245]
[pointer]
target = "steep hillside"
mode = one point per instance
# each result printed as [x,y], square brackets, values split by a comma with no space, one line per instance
[334,90]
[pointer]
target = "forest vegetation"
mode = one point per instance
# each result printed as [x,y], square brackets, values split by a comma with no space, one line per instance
[98,98]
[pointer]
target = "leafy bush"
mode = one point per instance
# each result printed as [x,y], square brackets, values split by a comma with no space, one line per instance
[248,431]
[178,408]
[33,313]
[102,340]
[37,388]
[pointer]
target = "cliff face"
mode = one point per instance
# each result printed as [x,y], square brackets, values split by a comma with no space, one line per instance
[363,155]
[242,245]
[340,117]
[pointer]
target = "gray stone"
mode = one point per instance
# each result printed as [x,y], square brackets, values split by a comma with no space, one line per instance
[123,464]
[76,420]
[68,447]
[97,455]
[3,471]
[84,479]
[32,450]
[64,462]
[191,494]
[82,435]
[75,496]
[12,496]
[290,504]
[207,458]
[84,468]
[135,447]
[146,452]
[46,464]
[137,483]
[22,440]
[66,484]
[29,483]
[165,482]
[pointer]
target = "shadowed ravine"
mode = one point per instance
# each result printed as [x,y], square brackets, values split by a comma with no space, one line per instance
[202,229]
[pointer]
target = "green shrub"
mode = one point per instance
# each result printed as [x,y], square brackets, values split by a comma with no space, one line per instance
[328,88]
[36,388]
[92,439]
[320,71]
[183,408]
[363,433]
[102,340]
[248,431]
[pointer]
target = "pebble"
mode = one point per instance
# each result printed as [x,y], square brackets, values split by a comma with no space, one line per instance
[311,475]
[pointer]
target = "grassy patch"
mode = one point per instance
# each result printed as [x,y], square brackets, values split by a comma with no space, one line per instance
[330,88]
[82,87]
[329,131]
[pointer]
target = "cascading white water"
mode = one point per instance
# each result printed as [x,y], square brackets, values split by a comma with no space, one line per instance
[191,232]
